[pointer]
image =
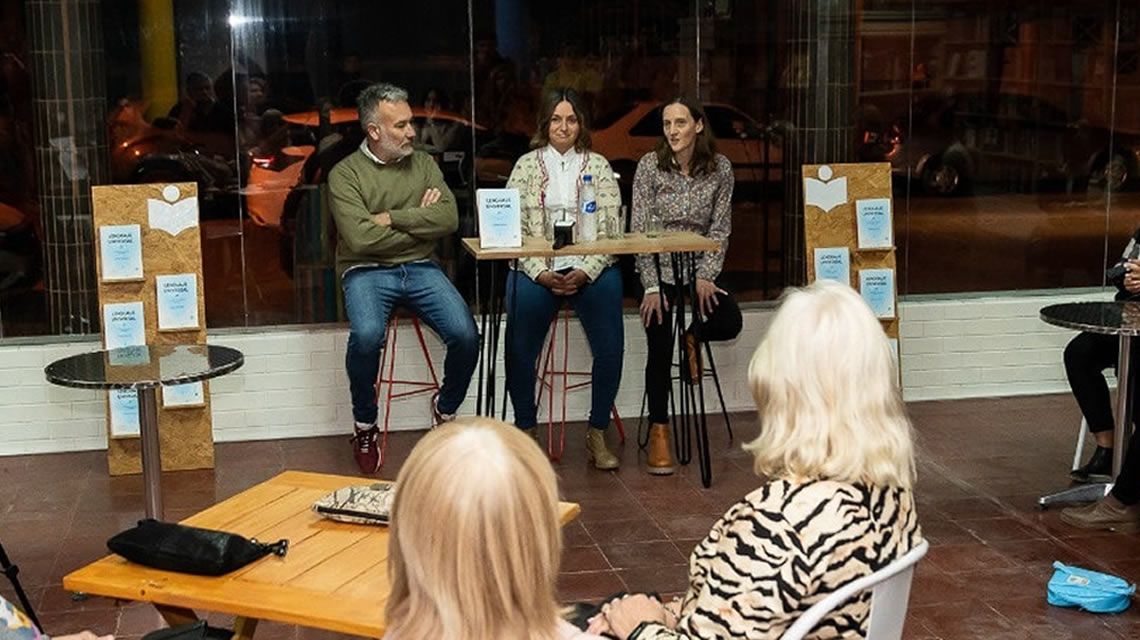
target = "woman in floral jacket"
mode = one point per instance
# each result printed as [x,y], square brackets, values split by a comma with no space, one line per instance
[549,179]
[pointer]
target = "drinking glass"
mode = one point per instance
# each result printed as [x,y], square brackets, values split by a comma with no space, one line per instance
[550,214]
[653,223]
[614,225]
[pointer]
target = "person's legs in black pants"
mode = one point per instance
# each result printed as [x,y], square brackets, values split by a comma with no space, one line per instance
[659,362]
[658,379]
[722,324]
[1086,357]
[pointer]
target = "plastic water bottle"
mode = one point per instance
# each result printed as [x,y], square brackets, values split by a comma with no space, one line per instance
[588,220]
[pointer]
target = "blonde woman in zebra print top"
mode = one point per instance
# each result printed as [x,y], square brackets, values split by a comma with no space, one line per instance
[837,504]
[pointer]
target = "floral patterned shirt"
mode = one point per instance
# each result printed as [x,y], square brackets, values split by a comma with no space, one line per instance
[702,204]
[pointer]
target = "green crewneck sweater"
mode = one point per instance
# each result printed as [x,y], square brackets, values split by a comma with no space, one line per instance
[360,187]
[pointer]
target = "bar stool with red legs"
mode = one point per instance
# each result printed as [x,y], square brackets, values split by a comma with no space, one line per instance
[547,376]
[415,387]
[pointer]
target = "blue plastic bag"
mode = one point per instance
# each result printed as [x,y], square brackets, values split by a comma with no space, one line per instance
[1089,590]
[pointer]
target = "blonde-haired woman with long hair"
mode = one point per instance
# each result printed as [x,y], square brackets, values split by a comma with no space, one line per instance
[836,503]
[476,541]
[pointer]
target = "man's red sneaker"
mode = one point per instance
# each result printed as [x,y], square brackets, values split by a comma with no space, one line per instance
[366,449]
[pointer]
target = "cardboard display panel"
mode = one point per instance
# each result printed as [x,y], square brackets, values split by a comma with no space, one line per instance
[169,237]
[838,200]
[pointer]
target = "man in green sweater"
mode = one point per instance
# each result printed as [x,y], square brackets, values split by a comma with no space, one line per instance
[391,204]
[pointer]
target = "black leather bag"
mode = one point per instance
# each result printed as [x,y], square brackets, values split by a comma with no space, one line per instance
[177,547]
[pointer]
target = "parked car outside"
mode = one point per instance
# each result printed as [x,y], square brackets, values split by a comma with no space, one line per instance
[951,144]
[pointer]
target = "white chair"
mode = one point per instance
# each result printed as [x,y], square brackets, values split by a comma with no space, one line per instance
[890,592]
[1081,431]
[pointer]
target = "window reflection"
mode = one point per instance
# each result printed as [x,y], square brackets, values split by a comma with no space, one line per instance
[22,303]
[1009,129]
[1000,127]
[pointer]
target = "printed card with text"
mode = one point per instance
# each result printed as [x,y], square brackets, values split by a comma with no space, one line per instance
[873,216]
[833,263]
[123,325]
[120,252]
[500,218]
[877,287]
[177,301]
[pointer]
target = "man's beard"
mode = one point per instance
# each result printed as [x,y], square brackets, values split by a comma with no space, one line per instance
[396,151]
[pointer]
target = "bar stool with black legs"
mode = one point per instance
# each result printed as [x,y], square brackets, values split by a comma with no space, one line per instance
[548,373]
[689,420]
[709,372]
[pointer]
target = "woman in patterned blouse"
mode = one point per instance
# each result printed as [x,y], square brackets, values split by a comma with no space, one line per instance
[688,185]
[549,179]
[837,504]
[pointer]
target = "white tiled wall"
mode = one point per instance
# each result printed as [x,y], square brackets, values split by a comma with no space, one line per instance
[293,382]
[983,346]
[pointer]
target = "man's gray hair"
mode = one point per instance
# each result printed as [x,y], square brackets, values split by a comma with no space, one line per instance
[368,102]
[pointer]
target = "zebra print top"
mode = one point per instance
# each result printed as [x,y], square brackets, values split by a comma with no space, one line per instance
[783,548]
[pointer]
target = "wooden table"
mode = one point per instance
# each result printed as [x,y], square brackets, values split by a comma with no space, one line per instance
[628,244]
[334,577]
[682,247]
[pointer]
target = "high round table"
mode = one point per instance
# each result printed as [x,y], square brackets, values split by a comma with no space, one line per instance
[1111,318]
[145,369]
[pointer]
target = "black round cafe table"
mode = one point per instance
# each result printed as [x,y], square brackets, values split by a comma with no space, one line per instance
[145,368]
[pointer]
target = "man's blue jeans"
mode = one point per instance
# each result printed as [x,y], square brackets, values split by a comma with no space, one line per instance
[531,307]
[370,294]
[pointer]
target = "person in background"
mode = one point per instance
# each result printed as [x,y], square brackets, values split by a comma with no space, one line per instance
[574,72]
[475,541]
[687,185]
[549,178]
[390,204]
[507,109]
[437,134]
[348,80]
[14,625]
[836,503]
[1087,356]
[258,95]
[195,109]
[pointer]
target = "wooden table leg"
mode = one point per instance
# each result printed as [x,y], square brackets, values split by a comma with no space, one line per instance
[244,628]
[176,616]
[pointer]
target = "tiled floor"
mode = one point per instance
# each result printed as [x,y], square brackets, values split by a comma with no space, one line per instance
[981,463]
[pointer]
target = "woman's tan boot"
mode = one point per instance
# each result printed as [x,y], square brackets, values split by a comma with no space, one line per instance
[660,450]
[597,451]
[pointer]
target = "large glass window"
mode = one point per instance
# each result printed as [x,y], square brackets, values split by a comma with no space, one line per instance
[1008,127]
[21,255]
